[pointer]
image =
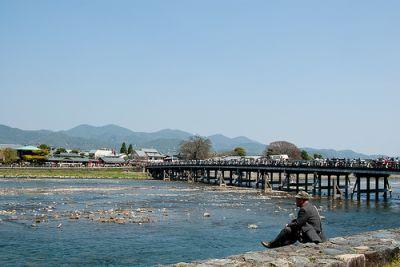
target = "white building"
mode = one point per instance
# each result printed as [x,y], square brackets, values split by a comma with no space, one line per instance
[103,152]
[148,154]
[279,157]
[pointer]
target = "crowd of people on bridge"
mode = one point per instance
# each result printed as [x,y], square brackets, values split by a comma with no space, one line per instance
[387,163]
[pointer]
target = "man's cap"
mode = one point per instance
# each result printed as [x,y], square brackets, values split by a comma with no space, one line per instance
[303,195]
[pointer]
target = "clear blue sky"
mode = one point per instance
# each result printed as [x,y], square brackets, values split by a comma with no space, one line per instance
[321,74]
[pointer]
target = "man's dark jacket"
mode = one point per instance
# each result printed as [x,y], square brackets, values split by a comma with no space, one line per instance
[308,224]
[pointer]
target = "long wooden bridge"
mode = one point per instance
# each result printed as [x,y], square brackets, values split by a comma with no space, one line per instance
[331,181]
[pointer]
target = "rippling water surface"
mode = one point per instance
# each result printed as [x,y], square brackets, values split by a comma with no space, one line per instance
[94,222]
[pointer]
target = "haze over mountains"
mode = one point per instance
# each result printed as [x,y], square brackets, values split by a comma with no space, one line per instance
[167,140]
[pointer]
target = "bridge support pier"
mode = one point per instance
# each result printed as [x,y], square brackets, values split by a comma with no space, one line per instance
[287,178]
[334,188]
[329,186]
[190,176]
[315,180]
[319,184]
[166,177]
[368,190]
[306,182]
[266,184]
[240,178]
[221,178]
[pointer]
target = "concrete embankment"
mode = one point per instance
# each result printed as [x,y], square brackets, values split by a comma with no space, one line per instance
[376,248]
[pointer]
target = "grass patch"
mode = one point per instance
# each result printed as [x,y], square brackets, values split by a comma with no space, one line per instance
[395,261]
[74,173]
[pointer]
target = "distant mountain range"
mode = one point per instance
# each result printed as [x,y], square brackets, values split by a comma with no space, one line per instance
[167,140]
[331,153]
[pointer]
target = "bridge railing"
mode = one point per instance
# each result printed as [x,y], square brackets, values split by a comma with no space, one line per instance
[329,163]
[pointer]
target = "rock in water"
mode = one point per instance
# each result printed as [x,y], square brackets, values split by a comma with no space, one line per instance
[252,226]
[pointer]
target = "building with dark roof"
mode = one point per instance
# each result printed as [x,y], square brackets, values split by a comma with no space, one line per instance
[72,161]
[112,161]
[148,154]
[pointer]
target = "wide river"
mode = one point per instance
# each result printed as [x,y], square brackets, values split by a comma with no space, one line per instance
[110,222]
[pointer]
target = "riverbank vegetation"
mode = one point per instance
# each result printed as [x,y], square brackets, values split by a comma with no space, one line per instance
[73,173]
[394,262]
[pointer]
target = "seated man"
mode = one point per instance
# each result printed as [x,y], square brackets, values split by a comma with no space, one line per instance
[306,228]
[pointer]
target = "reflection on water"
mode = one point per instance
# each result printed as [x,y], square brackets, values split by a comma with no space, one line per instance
[126,222]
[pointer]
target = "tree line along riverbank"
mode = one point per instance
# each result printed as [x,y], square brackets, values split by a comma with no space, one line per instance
[72,173]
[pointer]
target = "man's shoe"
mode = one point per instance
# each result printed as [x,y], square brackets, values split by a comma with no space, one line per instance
[266,244]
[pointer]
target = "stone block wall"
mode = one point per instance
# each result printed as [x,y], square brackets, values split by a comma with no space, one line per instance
[376,248]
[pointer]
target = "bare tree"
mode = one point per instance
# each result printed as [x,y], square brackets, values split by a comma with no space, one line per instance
[283,147]
[195,148]
[8,155]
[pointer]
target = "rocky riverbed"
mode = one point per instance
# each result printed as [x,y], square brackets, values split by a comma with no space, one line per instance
[67,208]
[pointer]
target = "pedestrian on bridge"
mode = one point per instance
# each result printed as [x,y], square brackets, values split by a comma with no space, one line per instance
[305,228]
